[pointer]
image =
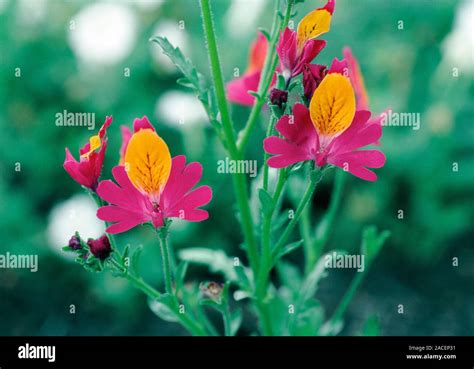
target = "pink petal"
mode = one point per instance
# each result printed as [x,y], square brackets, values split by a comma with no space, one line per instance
[360,133]
[311,49]
[178,194]
[339,66]
[356,161]
[142,123]
[237,89]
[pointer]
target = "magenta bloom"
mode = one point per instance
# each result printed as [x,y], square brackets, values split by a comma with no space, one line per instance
[238,89]
[87,170]
[301,142]
[298,48]
[130,207]
[292,60]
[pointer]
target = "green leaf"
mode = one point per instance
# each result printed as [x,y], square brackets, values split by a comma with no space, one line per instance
[162,309]
[288,248]
[135,261]
[192,79]
[126,253]
[372,242]
[280,82]
[67,249]
[289,275]
[216,260]
[235,321]
[264,32]
[180,275]
[310,284]
[243,278]
[308,318]
[211,303]
[266,201]
[254,94]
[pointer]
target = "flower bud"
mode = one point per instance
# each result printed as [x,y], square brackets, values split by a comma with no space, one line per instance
[100,247]
[278,97]
[313,74]
[212,290]
[75,243]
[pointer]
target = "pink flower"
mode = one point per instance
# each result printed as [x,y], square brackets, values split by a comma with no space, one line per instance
[330,132]
[154,187]
[87,171]
[238,89]
[296,49]
[357,80]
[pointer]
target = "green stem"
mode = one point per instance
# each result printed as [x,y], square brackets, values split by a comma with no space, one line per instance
[305,226]
[207,323]
[315,176]
[268,70]
[165,258]
[152,293]
[226,319]
[99,204]
[266,260]
[239,181]
[348,296]
[323,232]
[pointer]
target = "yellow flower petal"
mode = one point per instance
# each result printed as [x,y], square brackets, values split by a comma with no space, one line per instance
[313,25]
[332,106]
[94,144]
[148,162]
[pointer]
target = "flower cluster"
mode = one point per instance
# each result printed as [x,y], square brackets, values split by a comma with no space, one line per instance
[332,122]
[151,186]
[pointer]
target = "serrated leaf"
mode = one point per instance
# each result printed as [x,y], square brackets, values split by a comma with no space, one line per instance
[310,284]
[192,78]
[266,201]
[216,260]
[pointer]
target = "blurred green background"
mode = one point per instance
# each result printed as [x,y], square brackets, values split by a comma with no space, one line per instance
[95,57]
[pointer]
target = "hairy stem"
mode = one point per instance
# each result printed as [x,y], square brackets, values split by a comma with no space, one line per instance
[165,258]
[315,177]
[239,181]
[327,223]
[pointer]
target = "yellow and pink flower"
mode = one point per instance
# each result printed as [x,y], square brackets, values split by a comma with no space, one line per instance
[331,131]
[87,170]
[298,48]
[151,186]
